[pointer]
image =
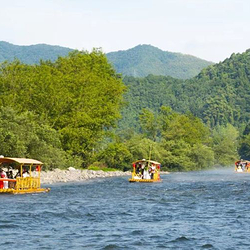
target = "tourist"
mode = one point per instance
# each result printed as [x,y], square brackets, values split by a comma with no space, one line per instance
[25,173]
[152,171]
[3,175]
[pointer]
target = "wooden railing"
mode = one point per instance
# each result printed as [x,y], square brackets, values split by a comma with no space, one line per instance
[27,183]
[22,183]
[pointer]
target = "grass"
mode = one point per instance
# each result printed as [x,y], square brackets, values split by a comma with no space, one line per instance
[105,169]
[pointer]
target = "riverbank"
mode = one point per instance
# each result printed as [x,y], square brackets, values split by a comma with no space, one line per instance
[75,175]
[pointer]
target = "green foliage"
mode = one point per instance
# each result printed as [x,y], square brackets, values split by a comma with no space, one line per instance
[144,148]
[26,135]
[244,147]
[151,93]
[186,139]
[244,143]
[115,155]
[187,128]
[202,156]
[225,142]
[219,94]
[178,158]
[149,124]
[79,96]
[105,169]
[62,113]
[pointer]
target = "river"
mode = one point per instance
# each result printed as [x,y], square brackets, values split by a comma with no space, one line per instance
[193,210]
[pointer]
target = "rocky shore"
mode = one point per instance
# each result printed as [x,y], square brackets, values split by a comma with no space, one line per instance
[74,175]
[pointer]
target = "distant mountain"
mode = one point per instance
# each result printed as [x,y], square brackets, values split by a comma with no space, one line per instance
[139,61]
[31,54]
[143,60]
[219,94]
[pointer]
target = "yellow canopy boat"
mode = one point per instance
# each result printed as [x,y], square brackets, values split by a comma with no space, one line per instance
[146,171]
[21,176]
[242,166]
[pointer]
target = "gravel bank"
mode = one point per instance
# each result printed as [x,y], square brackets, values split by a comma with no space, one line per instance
[74,175]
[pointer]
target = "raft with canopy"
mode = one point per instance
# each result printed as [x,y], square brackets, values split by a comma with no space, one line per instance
[20,176]
[242,166]
[145,171]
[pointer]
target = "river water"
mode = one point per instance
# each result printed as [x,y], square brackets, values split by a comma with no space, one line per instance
[194,210]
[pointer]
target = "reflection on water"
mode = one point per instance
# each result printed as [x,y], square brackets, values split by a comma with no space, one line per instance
[195,210]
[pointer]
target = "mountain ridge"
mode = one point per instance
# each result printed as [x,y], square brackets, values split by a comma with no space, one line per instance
[31,54]
[143,60]
[138,61]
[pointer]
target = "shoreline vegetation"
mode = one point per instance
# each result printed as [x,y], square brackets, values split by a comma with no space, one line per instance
[78,111]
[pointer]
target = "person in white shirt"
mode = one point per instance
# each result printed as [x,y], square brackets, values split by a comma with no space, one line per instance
[25,173]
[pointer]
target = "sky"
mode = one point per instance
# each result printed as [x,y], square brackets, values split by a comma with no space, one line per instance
[209,29]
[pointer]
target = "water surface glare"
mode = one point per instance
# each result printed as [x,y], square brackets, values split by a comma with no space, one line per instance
[195,210]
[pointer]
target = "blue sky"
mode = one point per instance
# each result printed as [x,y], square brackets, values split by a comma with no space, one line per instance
[209,29]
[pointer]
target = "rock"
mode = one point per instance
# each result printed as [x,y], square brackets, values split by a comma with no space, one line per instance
[74,175]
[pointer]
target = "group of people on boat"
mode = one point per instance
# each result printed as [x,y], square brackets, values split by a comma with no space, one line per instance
[8,174]
[145,170]
[241,165]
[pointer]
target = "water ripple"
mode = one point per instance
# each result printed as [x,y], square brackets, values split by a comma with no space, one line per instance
[196,210]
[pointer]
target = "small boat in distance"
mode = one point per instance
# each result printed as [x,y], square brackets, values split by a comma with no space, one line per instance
[20,176]
[242,166]
[146,171]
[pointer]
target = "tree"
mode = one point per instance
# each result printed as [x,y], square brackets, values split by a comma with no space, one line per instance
[116,155]
[26,135]
[79,96]
[149,124]
[244,143]
[183,135]
[225,142]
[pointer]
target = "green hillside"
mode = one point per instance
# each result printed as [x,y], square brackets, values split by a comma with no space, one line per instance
[143,60]
[219,94]
[140,61]
[65,113]
[31,54]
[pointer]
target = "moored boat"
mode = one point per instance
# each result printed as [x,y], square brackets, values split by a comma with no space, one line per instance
[242,166]
[20,176]
[146,171]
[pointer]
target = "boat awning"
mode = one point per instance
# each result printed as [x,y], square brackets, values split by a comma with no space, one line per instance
[23,161]
[150,161]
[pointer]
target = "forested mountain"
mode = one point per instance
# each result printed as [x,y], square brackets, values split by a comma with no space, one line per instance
[219,94]
[143,60]
[140,61]
[64,112]
[31,54]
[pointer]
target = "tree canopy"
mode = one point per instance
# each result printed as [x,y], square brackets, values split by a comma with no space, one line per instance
[79,96]
[71,108]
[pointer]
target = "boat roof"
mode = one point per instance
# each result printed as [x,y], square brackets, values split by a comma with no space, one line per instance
[20,161]
[144,160]
[243,161]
